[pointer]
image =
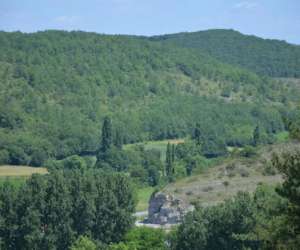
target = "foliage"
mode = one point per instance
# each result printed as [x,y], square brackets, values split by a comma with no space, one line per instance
[289,166]
[143,238]
[216,227]
[50,211]
[71,162]
[170,171]
[106,135]
[248,152]
[83,243]
[293,124]
[267,57]
[256,136]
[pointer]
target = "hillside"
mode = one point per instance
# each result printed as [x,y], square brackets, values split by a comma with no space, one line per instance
[56,88]
[263,56]
[234,174]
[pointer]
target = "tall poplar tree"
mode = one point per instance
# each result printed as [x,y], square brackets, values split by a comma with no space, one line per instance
[106,139]
[169,163]
[256,136]
[197,136]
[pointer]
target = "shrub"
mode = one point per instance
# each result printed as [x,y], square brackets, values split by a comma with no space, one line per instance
[189,193]
[231,174]
[243,172]
[231,166]
[248,152]
[269,170]
[226,183]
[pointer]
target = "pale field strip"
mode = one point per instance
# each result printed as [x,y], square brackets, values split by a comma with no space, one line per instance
[9,171]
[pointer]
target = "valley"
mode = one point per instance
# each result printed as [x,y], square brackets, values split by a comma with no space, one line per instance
[94,127]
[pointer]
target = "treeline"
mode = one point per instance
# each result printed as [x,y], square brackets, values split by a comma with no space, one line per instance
[157,167]
[264,56]
[52,211]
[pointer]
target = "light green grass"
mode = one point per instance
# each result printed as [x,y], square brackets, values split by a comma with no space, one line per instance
[282,136]
[156,145]
[143,195]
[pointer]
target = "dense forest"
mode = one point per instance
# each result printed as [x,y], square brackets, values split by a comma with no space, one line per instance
[263,56]
[57,87]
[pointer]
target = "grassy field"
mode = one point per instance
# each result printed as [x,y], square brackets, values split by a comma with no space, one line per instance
[10,171]
[158,145]
[143,198]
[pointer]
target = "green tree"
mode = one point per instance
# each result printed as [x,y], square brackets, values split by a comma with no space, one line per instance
[190,166]
[197,135]
[217,227]
[143,238]
[256,136]
[289,166]
[51,211]
[169,169]
[106,136]
[8,216]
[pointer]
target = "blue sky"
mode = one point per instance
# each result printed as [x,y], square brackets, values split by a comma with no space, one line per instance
[279,19]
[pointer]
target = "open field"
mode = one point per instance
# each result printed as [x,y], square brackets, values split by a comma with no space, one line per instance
[10,171]
[157,145]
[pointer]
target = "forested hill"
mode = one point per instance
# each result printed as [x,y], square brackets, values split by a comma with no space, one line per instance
[56,87]
[264,56]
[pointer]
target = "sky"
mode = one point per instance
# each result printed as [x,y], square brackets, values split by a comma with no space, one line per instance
[276,19]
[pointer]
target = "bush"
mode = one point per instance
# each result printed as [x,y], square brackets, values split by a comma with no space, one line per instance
[248,152]
[189,192]
[71,162]
[230,166]
[226,183]
[231,174]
